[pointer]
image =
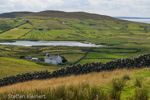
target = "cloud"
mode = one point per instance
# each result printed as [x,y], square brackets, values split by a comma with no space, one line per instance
[31,5]
[122,7]
[105,7]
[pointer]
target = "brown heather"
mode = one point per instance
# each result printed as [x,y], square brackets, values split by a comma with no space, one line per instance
[93,79]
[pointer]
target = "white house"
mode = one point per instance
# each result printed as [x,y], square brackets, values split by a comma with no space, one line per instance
[53,59]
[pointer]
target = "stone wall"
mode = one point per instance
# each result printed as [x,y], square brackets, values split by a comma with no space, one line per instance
[137,62]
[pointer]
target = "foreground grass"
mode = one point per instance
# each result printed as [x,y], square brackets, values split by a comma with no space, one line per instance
[118,84]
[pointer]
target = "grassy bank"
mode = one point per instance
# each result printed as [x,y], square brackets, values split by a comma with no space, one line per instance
[119,85]
[11,66]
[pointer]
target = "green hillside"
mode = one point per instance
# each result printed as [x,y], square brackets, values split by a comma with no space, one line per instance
[11,66]
[124,39]
[57,25]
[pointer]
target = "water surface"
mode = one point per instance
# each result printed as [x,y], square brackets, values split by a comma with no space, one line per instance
[51,43]
[140,19]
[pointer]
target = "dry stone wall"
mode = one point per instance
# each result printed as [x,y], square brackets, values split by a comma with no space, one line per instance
[137,62]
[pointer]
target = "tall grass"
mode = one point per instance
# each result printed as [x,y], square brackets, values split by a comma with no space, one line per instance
[140,94]
[126,77]
[108,85]
[138,82]
[82,91]
[117,87]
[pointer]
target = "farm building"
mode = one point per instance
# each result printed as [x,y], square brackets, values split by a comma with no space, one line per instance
[53,59]
[28,57]
[40,28]
[27,21]
[64,22]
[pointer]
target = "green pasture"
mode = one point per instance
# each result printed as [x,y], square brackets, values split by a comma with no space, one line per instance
[72,54]
[14,33]
[50,34]
[11,66]
[48,24]
[15,65]
[94,36]
[106,54]
[95,31]
[115,50]
[26,26]
[7,24]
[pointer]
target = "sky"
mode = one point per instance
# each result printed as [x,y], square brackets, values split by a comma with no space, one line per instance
[130,8]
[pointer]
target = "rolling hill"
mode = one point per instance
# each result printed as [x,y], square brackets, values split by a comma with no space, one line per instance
[124,39]
[59,14]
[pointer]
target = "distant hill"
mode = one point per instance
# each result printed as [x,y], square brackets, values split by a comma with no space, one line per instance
[133,17]
[59,14]
[14,14]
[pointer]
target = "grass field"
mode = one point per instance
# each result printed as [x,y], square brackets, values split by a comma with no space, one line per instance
[119,84]
[106,54]
[11,66]
[14,33]
[95,31]
[7,24]
[72,54]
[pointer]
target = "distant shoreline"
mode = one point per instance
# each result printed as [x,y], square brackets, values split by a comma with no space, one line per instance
[136,19]
[133,17]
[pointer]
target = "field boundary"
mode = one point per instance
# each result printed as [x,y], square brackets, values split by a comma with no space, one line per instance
[82,57]
[24,34]
[101,58]
[136,62]
[11,28]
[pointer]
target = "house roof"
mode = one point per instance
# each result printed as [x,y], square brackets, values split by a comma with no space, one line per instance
[54,57]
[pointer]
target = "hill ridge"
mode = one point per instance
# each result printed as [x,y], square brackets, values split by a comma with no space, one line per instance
[59,14]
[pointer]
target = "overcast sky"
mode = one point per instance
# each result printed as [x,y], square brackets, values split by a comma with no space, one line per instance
[136,8]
